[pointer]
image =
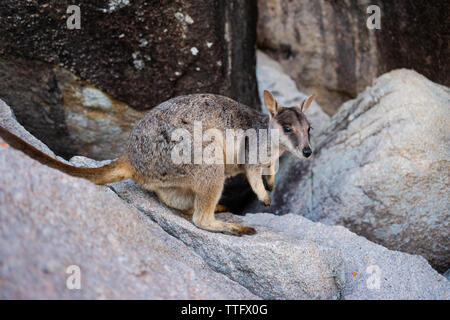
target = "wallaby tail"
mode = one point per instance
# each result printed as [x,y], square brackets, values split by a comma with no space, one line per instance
[115,171]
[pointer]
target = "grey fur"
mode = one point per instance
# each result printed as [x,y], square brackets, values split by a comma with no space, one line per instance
[199,186]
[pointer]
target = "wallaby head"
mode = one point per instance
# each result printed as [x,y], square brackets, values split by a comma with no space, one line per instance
[293,126]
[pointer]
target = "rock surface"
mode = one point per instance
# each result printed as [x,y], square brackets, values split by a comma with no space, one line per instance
[327,48]
[271,265]
[68,114]
[447,274]
[381,168]
[76,88]
[50,221]
[9,122]
[371,271]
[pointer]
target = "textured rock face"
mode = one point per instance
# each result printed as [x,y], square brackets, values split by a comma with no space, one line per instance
[137,53]
[371,271]
[381,168]
[50,221]
[9,122]
[326,47]
[69,114]
[270,264]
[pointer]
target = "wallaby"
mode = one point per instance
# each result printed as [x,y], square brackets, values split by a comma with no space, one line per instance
[190,187]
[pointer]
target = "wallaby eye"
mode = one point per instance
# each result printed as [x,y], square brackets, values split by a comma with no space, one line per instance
[287,128]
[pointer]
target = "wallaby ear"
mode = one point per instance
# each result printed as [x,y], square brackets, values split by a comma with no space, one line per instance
[306,103]
[271,103]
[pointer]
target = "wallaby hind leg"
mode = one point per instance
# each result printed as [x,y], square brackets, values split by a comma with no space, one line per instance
[204,205]
[219,208]
[181,199]
[177,198]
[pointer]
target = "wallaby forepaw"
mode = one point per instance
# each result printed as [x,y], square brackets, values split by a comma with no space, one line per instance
[266,201]
[270,187]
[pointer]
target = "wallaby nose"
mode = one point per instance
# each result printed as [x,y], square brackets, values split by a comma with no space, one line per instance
[307,152]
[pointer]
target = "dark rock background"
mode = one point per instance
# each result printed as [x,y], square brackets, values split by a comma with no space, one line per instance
[140,52]
[416,35]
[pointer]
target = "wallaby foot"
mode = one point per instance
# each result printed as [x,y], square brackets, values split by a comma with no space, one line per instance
[225,227]
[266,200]
[244,230]
[239,230]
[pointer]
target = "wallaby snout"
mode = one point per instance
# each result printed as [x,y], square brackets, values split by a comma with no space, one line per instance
[307,152]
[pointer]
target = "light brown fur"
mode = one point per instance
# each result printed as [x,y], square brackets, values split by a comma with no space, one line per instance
[192,188]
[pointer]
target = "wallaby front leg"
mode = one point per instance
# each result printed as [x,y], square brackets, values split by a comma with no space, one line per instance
[270,179]
[255,179]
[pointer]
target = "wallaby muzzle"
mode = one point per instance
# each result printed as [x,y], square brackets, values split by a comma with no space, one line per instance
[307,152]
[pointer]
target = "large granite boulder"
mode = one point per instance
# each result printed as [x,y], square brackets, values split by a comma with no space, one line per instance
[272,265]
[380,168]
[80,90]
[371,271]
[327,48]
